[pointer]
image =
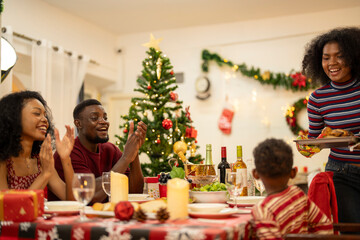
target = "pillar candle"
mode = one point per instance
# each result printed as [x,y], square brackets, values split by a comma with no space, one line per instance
[178,198]
[119,187]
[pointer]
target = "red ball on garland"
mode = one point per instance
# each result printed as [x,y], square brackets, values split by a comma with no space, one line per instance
[124,210]
[125,130]
[167,124]
[172,72]
[149,87]
[158,141]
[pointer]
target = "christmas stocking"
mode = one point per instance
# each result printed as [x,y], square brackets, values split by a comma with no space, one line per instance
[226,119]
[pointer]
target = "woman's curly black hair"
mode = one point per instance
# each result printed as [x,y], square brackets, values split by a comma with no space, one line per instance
[349,43]
[273,158]
[11,107]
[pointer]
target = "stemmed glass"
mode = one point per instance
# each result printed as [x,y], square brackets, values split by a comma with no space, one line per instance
[83,186]
[105,182]
[259,186]
[234,183]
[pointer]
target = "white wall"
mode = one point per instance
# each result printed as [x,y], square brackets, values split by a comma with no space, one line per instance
[275,44]
[39,20]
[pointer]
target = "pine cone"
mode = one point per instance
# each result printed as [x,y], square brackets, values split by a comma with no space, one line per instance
[162,215]
[140,215]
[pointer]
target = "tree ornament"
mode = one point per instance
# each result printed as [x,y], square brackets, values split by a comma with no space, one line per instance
[193,149]
[158,141]
[187,114]
[153,43]
[158,68]
[190,132]
[148,87]
[167,124]
[180,148]
[125,130]
[124,210]
[172,72]
[174,96]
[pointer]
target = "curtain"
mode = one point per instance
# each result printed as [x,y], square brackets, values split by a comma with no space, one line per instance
[6,86]
[58,77]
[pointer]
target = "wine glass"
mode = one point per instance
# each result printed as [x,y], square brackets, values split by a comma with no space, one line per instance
[235,184]
[105,182]
[259,186]
[83,186]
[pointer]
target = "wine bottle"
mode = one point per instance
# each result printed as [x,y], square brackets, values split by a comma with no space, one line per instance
[223,166]
[241,170]
[210,170]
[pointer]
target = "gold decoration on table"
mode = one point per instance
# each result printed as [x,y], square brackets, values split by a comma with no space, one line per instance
[140,215]
[162,215]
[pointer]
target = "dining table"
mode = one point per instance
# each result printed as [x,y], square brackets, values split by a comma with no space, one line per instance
[69,227]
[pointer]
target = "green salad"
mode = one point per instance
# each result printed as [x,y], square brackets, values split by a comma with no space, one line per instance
[215,186]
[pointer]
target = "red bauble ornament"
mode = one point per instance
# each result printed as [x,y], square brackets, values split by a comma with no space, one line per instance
[124,210]
[149,87]
[167,124]
[125,130]
[190,132]
[158,141]
[174,96]
[172,72]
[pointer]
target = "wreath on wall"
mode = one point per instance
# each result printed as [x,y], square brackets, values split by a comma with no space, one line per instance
[291,116]
[294,81]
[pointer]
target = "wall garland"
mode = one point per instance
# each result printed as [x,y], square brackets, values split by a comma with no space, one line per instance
[294,81]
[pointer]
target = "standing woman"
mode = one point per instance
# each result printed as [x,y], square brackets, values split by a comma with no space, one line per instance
[26,156]
[333,59]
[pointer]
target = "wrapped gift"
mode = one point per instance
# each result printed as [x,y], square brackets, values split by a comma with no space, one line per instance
[21,205]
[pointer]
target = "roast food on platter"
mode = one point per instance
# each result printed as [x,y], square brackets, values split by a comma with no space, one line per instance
[153,206]
[328,132]
[148,207]
[109,206]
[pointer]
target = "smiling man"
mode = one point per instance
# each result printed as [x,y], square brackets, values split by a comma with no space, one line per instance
[92,153]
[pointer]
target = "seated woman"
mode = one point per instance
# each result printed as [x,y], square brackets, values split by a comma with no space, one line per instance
[26,156]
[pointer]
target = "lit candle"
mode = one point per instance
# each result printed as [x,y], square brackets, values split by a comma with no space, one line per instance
[119,187]
[178,198]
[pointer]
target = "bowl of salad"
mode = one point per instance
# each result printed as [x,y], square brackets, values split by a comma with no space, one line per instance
[211,193]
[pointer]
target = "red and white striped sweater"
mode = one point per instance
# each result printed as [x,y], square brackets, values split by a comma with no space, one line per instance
[289,211]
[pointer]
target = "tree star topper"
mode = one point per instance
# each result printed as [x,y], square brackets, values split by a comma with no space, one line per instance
[154,43]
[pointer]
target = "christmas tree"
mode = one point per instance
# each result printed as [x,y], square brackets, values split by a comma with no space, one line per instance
[162,112]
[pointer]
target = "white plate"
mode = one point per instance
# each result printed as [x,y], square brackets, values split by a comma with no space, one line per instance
[139,198]
[90,212]
[246,201]
[225,213]
[207,207]
[62,207]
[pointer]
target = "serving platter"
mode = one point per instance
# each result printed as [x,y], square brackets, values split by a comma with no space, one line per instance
[224,213]
[330,142]
[62,207]
[90,212]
